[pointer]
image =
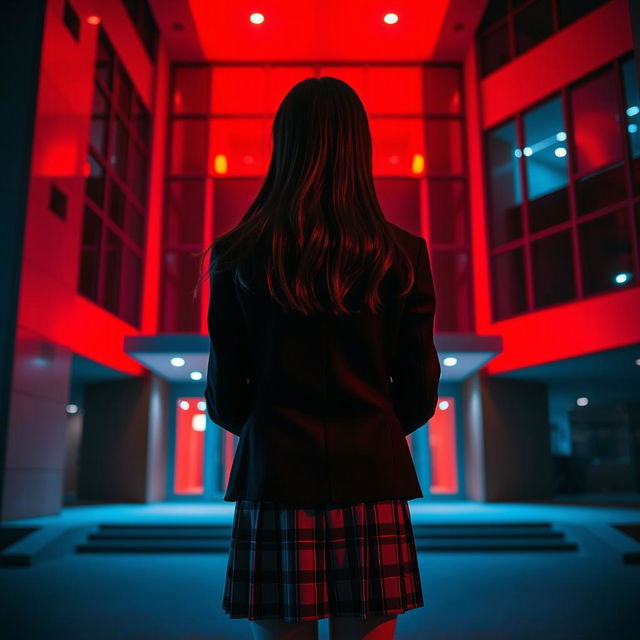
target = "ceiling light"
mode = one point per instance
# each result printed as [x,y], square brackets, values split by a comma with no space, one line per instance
[582,401]
[196,375]
[256,18]
[391,18]
[177,361]
[450,361]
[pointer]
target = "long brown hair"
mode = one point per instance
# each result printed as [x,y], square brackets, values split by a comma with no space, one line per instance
[317,208]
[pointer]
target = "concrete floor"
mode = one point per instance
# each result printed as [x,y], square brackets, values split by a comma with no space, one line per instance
[588,594]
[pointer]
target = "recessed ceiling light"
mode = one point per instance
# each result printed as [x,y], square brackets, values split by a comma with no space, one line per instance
[450,361]
[256,18]
[391,18]
[196,375]
[177,361]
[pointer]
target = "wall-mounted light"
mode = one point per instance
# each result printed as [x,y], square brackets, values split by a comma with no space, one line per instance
[417,164]
[220,163]
[621,278]
[199,422]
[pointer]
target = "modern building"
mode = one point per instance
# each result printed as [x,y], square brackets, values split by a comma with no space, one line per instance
[506,133]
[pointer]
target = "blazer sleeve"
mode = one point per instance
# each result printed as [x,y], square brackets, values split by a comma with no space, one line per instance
[227,390]
[415,368]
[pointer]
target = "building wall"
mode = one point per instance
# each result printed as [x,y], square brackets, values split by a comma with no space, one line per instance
[566,330]
[54,321]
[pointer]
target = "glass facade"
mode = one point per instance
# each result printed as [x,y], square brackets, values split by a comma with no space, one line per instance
[116,169]
[220,147]
[510,28]
[562,187]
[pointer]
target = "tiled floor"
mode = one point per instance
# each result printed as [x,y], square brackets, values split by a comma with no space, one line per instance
[588,594]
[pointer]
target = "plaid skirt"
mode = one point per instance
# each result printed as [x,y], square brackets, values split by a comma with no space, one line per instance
[299,563]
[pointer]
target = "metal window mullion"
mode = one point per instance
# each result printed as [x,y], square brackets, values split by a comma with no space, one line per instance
[627,159]
[571,186]
[528,271]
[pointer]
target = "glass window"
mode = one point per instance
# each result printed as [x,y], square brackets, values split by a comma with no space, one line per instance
[181,313]
[596,128]
[138,173]
[632,113]
[393,89]
[606,257]
[532,25]
[552,269]
[442,90]
[125,92]
[452,274]
[444,146]
[496,10]
[397,145]
[447,210]
[90,255]
[190,434]
[104,61]
[600,189]
[184,211]
[505,195]
[132,295]
[570,10]
[117,204]
[99,121]
[509,288]
[236,90]
[240,146]
[545,156]
[119,147]
[112,272]
[141,121]
[189,146]
[136,224]
[191,89]
[494,49]
[94,183]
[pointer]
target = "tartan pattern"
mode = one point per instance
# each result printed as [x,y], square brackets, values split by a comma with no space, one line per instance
[297,562]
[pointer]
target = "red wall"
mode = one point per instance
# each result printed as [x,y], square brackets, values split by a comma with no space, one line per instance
[49,304]
[563,331]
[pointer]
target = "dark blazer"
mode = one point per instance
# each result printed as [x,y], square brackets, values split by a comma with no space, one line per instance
[323,404]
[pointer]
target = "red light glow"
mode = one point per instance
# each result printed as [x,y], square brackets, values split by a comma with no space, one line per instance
[93,20]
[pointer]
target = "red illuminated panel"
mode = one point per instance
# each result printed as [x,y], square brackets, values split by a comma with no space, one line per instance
[239,146]
[396,143]
[189,453]
[353,76]
[238,89]
[280,80]
[442,445]
[393,90]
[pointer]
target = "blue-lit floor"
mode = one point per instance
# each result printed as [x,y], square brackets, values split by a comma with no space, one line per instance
[589,593]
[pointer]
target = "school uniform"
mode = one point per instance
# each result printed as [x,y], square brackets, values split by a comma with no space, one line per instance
[322,473]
